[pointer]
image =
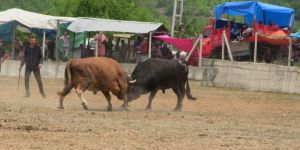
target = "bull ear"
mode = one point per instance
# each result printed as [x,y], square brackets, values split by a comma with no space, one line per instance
[132,81]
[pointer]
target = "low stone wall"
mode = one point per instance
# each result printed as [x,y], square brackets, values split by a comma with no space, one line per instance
[252,76]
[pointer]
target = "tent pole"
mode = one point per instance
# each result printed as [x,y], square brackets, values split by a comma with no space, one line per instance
[44,43]
[201,50]
[228,46]
[174,18]
[290,51]
[57,41]
[13,41]
[255,48]
[97,44]
[192,50]
[223,46]
[73,48]
[150,45]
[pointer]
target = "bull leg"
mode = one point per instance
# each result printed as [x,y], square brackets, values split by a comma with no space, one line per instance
[62,95]
[180,95]
[125,105]
[108,98]
[79,92]
[151,97]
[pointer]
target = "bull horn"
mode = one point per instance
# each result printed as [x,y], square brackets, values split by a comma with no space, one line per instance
[129,76]
[132,81]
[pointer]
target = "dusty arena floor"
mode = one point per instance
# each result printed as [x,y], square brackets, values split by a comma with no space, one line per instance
[219,119]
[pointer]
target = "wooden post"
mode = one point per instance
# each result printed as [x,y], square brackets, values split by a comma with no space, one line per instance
[255,48]
[228,46]
[223,46]
[192,50]
[290,51]
[150,43]
[201,49]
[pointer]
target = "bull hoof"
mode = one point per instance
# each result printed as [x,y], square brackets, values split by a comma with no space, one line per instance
[60,107]
[125,108]
[109,109]
[85,106]
[177,109]
[148,109]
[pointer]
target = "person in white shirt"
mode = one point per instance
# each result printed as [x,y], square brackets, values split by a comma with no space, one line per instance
[66,44]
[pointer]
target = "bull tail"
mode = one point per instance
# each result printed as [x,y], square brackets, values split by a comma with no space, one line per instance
[68,81]
[188,91]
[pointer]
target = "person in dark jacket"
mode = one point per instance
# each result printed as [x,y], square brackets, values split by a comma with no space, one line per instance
[33,58]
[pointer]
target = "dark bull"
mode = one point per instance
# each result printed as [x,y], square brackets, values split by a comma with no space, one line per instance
[152,75]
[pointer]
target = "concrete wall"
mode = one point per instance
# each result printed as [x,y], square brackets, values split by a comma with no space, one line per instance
[54,70]
[252,76]
[259,77]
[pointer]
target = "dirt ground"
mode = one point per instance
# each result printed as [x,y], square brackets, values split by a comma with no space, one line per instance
[219,119]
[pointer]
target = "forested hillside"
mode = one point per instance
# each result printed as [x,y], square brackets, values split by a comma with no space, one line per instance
[196,12]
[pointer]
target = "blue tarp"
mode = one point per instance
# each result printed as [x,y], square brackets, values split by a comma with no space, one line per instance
[6,30]
[265,13]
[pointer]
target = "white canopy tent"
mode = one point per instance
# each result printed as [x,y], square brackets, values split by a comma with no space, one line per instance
[31,20]
[108,25]
[93,24]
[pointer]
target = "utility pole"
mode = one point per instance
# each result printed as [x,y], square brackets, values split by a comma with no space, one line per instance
[177,15]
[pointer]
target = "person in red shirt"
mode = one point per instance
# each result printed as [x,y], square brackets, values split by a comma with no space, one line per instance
[144,47]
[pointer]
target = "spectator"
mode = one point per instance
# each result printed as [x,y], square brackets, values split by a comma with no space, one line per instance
[109,47]
[51,47]
[271,24]
[268,57]
[235,32]
[247,32]
[166,52]
[156,51]
[2,52]
[101,39]
[144,47]
[18,47]
[177,55]
[83,51]
[122,51]
[33,58]
[66,45]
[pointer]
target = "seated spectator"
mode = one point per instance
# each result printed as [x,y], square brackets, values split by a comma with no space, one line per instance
[247,32]
[271,24]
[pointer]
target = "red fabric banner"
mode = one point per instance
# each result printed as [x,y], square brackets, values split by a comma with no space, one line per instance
[184,44]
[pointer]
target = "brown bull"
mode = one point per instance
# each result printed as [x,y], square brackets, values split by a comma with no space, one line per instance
[95,74]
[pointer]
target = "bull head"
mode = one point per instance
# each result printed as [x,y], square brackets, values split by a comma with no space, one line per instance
[130,80]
